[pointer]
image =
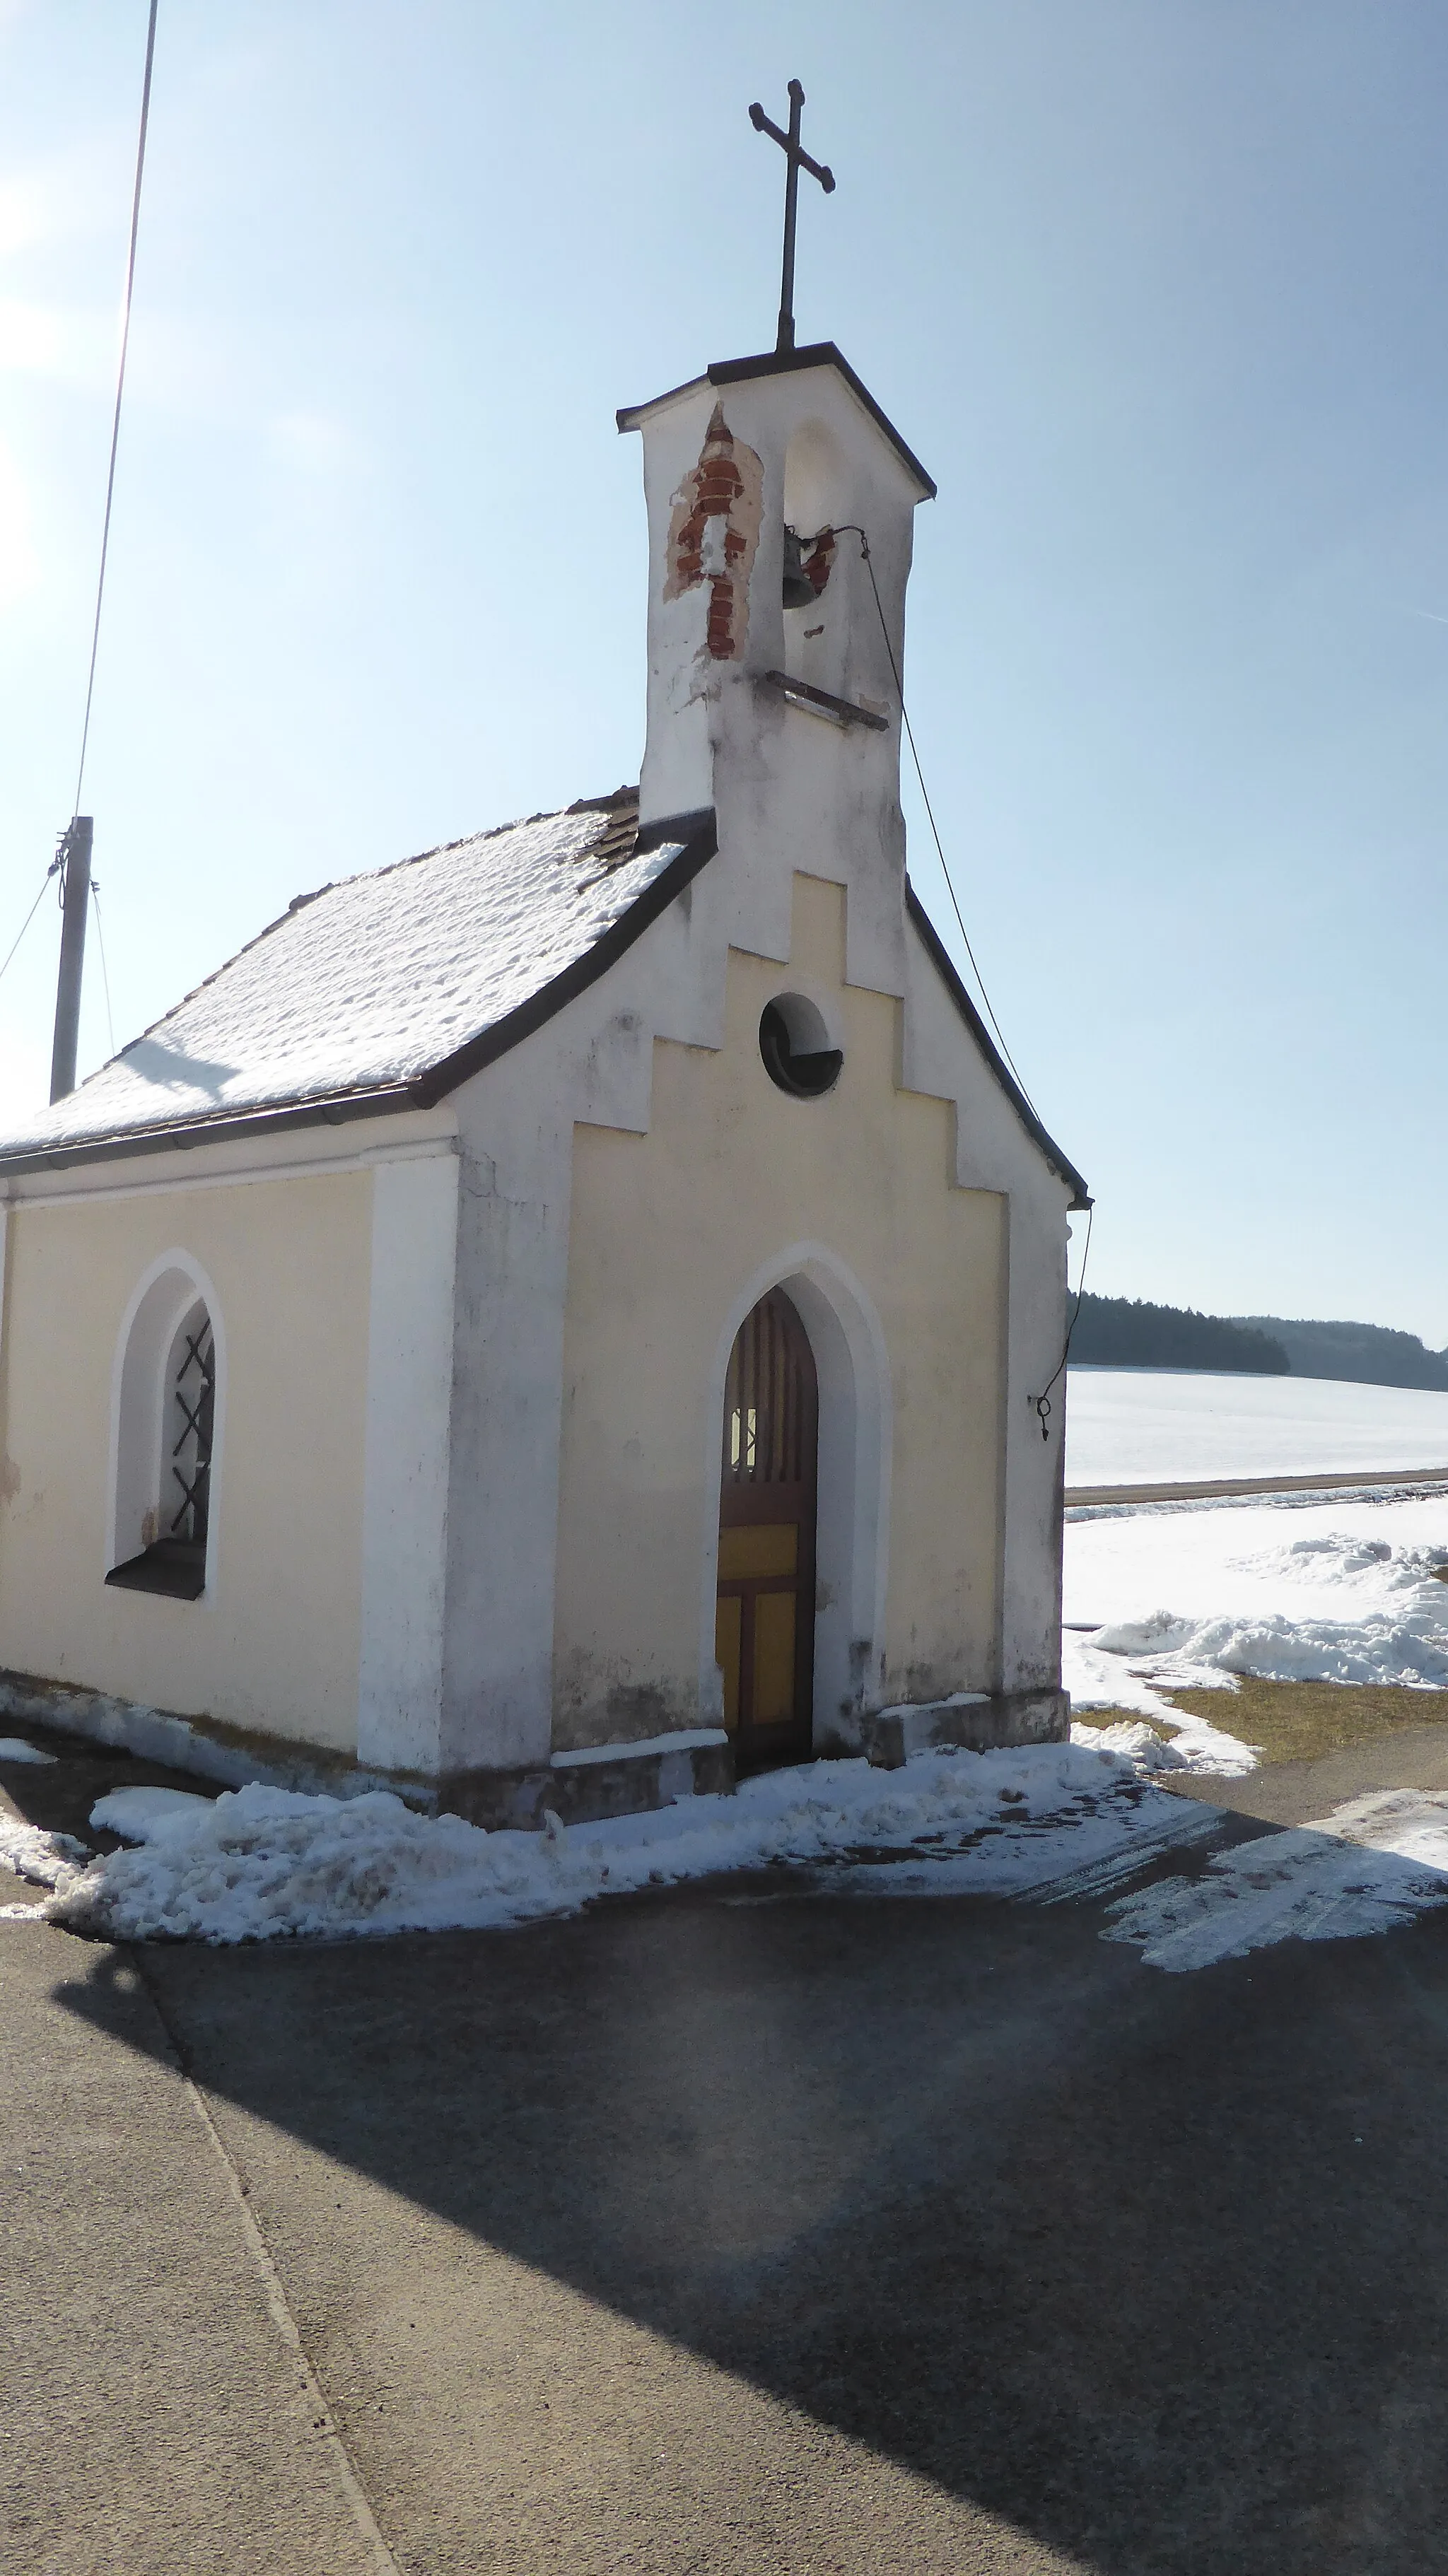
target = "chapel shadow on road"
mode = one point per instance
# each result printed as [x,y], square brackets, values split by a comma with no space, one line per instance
[1095,2247]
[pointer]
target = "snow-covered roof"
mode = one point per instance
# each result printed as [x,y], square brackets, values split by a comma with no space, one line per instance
[385,990]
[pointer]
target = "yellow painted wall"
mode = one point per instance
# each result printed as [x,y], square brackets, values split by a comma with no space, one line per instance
[665,1230]
[277,1649]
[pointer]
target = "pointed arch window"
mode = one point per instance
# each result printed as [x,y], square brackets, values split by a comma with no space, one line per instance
[166,1439]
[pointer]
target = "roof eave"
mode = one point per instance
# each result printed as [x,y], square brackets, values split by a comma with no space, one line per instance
[945,968]
[334,1110]
[698,837]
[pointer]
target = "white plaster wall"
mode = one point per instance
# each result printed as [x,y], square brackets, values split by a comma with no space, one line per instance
[272,1645]
[992,1151]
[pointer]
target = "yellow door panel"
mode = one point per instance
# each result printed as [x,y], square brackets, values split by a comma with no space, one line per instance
[774,1614]
[766,1548]
[728,1620]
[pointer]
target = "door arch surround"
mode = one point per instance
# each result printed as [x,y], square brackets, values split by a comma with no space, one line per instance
[765,1634]
[852,1519]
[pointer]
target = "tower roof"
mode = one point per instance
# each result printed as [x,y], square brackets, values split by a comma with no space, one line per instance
[787,362]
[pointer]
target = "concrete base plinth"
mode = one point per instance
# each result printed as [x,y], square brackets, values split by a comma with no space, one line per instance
[623,1780]
[975,1721]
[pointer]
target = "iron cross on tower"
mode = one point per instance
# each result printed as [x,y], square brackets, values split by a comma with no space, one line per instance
[796,158]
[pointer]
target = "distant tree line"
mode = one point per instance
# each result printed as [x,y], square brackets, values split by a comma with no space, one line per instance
[1369,1353]
[1126,1332]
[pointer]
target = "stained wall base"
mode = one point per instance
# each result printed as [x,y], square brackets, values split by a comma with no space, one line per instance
[610,1780]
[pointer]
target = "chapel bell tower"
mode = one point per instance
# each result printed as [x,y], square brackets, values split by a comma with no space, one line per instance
[780,515]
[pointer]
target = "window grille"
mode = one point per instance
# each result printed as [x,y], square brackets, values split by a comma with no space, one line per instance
[193,1398]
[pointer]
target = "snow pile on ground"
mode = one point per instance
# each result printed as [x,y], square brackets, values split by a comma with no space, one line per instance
[1047,1824]
[1135,1742]
[1197,1426]
[1097,1681]
[259,1863]
[13,1748]
[138,1815]
[1370,1866]
[1188,1596]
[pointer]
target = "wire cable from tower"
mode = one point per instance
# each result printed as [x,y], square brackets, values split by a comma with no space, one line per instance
[852,529]
[1041,1402]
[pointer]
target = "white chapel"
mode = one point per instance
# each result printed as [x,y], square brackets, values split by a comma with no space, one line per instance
[558,1322]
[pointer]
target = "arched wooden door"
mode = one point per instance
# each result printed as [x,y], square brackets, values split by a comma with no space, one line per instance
[764,1623]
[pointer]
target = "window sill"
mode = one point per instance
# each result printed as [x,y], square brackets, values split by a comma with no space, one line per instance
[171,1567]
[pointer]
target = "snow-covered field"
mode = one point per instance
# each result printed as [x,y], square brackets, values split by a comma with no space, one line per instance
[1163,1427]
[1197,1593]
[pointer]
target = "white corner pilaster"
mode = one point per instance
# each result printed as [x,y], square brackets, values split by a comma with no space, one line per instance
[405,1474]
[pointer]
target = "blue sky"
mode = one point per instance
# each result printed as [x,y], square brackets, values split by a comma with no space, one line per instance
[1156,291]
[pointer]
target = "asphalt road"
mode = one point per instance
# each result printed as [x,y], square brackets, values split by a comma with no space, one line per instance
[728,2230]
[1299,1793]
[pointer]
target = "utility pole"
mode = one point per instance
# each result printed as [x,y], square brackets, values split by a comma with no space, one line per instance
[75,881]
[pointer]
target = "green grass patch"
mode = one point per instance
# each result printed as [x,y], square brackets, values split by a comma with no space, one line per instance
[1300,1721]
[1295,1721]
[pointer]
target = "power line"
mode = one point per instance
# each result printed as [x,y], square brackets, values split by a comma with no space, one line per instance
[105,970]
[120,389]
[1042,1402]
[853,531]
[56,864]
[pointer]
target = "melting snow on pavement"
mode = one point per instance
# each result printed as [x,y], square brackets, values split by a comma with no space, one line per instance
[1371,1865]
[1191,1595]
[13,1748]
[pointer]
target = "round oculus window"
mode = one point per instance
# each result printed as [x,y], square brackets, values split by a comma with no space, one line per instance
[795,1046]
